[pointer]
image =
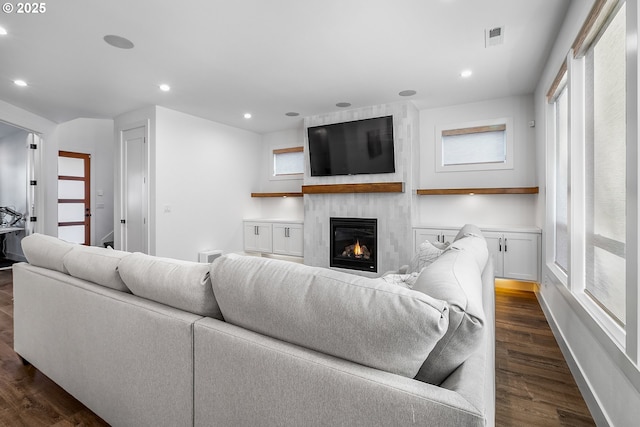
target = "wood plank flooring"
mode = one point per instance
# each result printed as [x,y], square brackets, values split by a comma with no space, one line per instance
[533,384]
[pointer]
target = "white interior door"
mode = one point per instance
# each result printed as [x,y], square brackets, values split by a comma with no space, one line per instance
[134,190]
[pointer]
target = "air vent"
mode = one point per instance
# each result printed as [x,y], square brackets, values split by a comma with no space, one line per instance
[493,36]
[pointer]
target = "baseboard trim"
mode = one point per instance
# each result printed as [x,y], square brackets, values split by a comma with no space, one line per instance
[590,399]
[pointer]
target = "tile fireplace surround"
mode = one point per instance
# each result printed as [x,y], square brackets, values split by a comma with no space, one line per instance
[393,211]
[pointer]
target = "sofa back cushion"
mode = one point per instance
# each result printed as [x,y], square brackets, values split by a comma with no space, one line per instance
[366,321]
[455,278]
[46,251]
[97,265]
[181,284]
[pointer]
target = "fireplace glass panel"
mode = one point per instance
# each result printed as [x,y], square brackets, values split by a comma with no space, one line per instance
[353,243]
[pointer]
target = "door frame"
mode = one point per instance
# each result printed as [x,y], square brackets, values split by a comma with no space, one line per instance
[87,193]
[120,199]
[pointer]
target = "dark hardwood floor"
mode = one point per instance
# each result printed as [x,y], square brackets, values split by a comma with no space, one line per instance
[533,384]
[28,398]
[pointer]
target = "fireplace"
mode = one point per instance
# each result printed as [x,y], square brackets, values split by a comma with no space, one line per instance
[354,243]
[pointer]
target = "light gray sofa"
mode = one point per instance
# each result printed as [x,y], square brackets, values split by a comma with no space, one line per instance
[147,341]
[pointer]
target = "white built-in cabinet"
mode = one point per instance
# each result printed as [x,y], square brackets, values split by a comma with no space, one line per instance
[274,237]
[258,237]
[515,255]
[433,235]
[515,250]
[288,239]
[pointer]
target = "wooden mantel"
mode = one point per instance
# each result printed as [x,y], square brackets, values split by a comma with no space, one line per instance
[374,187]
[451,191]
[288,194]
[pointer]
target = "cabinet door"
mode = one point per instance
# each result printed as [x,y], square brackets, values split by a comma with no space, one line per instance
[448,235]
[521,256]
[250,239]
[495,244]
[257,237]
[280,239]
[264,238]
[295,240]
[288,239]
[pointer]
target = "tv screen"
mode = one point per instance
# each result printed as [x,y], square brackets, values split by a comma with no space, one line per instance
[351,148]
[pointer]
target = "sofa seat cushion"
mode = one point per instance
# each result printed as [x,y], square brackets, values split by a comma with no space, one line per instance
[97,265]
[181,284]
[454,278]
[46,251]
[366,321]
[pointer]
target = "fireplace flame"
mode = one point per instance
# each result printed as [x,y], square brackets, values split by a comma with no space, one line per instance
[357,250]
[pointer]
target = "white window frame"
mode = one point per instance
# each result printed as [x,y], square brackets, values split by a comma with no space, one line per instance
[507,164]
[284,150]
[624,338]
[560,84]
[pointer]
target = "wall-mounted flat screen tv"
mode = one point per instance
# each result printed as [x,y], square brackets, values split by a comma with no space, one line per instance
[351,148]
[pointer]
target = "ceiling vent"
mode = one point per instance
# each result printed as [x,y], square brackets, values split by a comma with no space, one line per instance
[493,36]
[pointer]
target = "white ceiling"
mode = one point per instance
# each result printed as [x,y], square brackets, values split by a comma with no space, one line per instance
[269,57]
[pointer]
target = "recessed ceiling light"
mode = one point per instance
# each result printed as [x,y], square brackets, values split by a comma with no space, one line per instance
[21,83]
[3,32]
[466,73]
[343,104]
[164,87]
[119,42]
[407,93]
[247,115]
[292,114]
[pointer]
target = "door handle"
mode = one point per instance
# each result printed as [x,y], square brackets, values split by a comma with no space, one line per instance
[500,244]
[505,244]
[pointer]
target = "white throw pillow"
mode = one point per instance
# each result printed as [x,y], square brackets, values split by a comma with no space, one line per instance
[427,253]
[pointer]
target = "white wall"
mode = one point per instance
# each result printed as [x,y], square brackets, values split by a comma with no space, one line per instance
[609,381]
[518,210]
[205,174]
[282,208]
[94,137]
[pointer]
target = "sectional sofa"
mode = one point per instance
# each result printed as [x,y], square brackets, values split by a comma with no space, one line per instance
[148,341]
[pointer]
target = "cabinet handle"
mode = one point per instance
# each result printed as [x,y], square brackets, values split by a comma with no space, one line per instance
[505,244]
[500,244]
[286,232]
[438,238]
[442,241]
[256,231]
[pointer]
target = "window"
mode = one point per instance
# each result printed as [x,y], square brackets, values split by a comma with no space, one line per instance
[475,146]
[561,240]
[605,168]
[288,162]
